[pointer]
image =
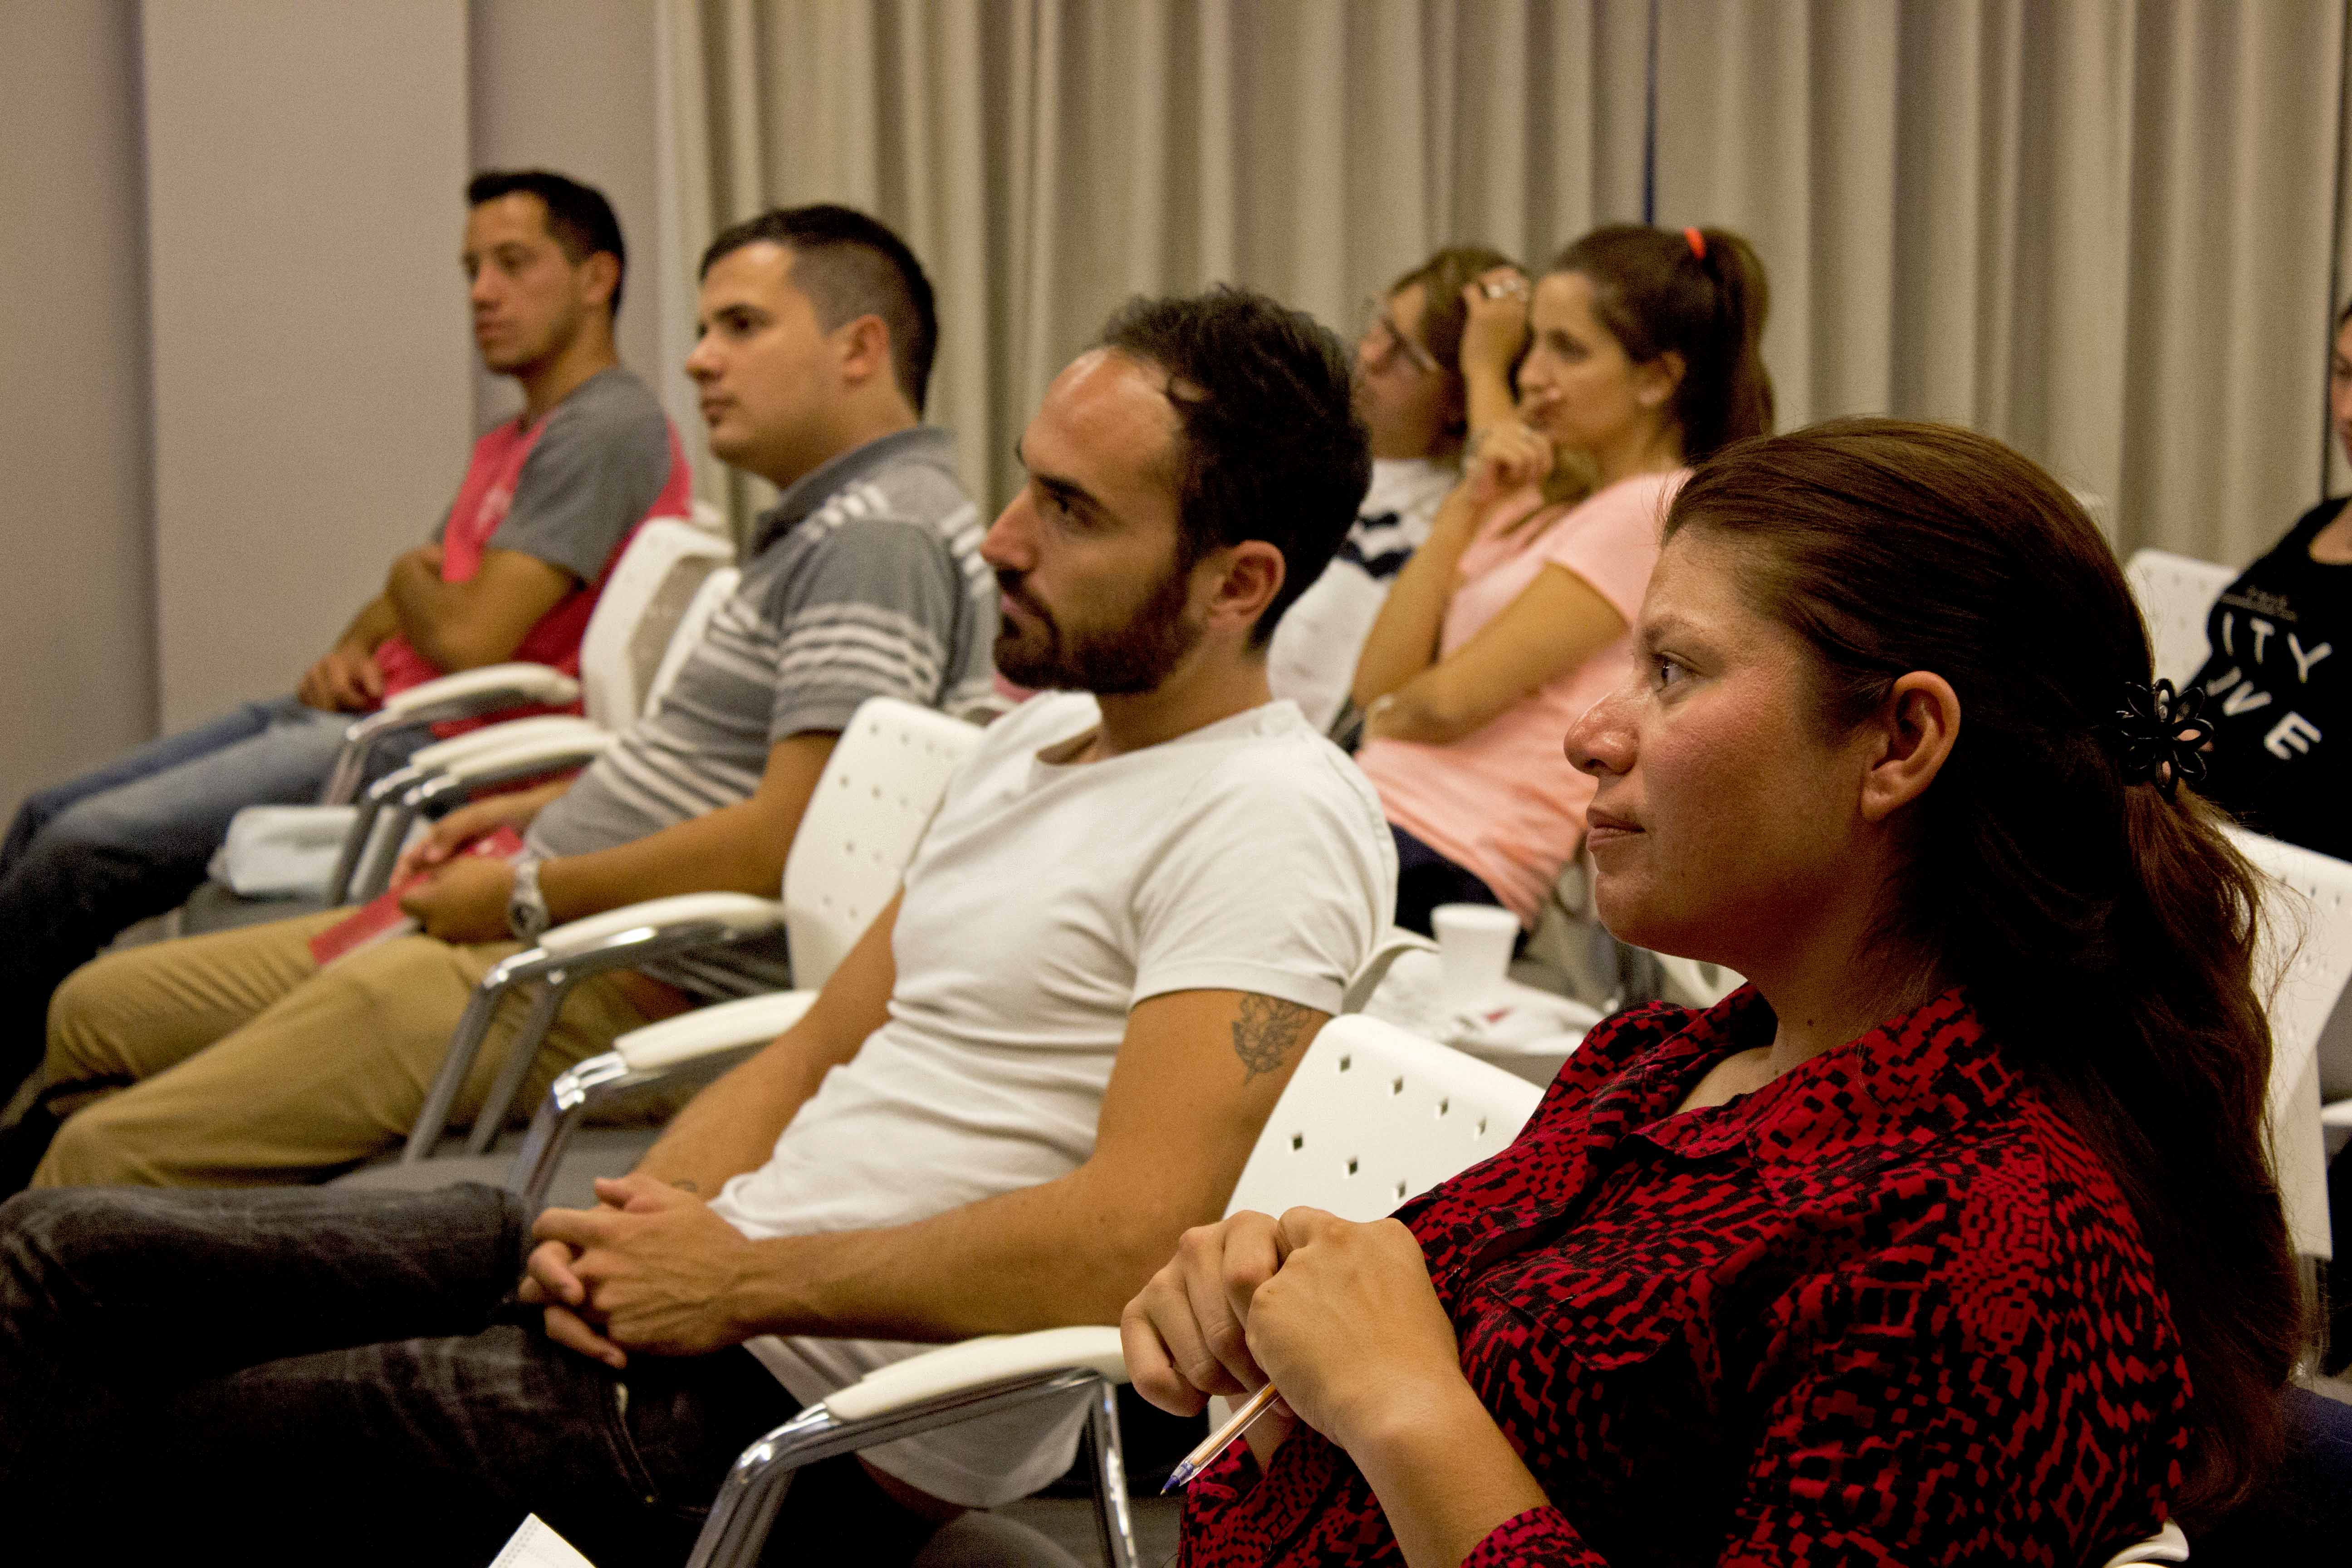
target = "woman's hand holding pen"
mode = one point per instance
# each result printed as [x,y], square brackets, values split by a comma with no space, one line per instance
[1340,1315]
[1350,1329]
[1185,1334]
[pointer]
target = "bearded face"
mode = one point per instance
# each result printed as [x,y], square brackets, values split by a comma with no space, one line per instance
[1113,646]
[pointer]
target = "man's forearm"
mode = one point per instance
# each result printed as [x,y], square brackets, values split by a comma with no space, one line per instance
[376,621]
[1069,1251]
[732,1126]
[736,849]
[425,608]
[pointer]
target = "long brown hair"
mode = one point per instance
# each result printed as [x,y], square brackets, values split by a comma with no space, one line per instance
[2105,934]
[1700,293]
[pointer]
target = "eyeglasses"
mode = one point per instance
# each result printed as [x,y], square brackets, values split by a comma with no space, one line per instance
[1383,340]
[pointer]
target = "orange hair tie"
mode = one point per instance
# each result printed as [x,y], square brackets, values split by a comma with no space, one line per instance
[1697,243]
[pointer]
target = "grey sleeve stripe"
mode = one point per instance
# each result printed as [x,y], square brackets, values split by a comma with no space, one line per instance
[657,795]
[817,644]
[710,783]
[729,773]
[861,613]
[754,667]
[859,673]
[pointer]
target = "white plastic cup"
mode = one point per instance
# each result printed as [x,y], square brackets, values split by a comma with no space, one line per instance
[1474,951]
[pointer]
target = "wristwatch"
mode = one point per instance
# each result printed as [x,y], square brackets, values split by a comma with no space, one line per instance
[526,905]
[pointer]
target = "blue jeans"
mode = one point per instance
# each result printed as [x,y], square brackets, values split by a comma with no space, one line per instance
[131,839]
[243,1365]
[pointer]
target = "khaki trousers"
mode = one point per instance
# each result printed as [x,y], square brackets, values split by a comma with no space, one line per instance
[246,1064]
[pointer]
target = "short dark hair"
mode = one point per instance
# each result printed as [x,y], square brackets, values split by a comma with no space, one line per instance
[579,219]
[850,265]
[1272,447]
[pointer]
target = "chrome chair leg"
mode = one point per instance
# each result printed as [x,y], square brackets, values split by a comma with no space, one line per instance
[465,1046]
[1112,1515]
[522,1051]
[362,830]
[755,1484]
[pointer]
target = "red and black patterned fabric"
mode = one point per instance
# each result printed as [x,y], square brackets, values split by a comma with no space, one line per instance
[1888,1308]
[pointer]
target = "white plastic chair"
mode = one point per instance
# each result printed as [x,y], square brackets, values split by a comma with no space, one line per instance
[2306,921]
[1373,1116]
[626,670]
[648,591]
[2170,1544]
[2175,593]
[873,801]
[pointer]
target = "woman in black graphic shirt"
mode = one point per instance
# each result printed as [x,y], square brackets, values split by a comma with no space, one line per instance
[2278,681]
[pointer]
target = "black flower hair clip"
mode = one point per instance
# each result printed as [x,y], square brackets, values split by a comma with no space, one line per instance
[2162,735]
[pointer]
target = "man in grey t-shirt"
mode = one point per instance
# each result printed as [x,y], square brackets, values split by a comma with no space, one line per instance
[511,574]
[866,581]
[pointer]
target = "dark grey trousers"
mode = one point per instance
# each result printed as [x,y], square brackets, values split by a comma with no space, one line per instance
[314,1376]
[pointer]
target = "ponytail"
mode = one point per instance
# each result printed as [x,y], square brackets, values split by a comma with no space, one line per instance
[1700,293]
[2105,933]
[1740,405]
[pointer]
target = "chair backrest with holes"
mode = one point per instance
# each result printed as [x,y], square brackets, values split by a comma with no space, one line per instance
[2174,592]
[716,590]
[1375,1115]
[640,612]
[2308,918]
[872,802]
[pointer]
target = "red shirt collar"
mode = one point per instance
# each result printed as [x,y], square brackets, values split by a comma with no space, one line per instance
[1883,1097]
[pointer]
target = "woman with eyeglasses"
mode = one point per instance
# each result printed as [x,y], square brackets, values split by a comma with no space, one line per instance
[1952,1237]
[1641,357]
[1418,407]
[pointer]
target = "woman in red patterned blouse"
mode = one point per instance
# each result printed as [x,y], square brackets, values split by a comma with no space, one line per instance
[1951,1238]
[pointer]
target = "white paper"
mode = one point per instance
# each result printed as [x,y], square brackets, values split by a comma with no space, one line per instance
[535,1545]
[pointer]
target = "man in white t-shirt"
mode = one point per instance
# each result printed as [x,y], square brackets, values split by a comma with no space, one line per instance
[1051,1055]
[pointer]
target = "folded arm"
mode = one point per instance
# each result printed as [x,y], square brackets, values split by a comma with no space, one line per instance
[1556,623]
[346,679]
[482,620]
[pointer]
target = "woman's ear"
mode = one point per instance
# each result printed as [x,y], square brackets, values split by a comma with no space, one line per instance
[1248,578]
[1912,737]
[1654,380]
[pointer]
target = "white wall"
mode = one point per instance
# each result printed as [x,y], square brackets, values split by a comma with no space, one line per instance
[76,645]
[568,85]
[306,163]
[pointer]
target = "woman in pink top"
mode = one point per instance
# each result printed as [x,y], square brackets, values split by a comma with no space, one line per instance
[1511,620]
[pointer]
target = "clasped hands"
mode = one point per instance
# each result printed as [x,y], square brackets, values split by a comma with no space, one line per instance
[651,1269]
[466,900]
[1339,1316]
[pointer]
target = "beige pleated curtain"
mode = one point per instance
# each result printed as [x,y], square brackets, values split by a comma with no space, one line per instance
[2104,230]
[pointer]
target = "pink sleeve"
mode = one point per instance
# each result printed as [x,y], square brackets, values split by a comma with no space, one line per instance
[1611,541]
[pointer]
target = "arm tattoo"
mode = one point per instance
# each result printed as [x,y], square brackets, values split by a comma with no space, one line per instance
[1265,1032]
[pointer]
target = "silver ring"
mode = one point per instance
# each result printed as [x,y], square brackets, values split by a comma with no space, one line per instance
[1503,287]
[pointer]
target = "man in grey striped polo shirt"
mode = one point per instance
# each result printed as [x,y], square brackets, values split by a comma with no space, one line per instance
[864,580]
